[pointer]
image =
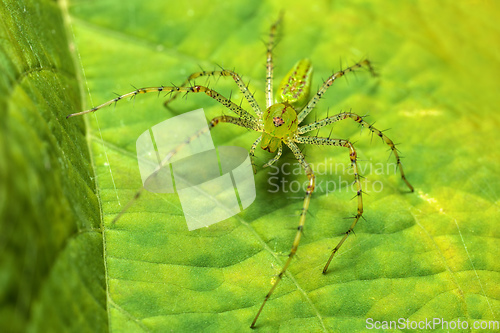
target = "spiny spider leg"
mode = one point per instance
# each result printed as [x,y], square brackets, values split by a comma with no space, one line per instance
[214,122]
[310,188]
[224,73]
[354,164]
[194,89]
[345,115]
[312,103]
[269,62]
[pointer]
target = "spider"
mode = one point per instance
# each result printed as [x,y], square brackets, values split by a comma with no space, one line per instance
[279,124]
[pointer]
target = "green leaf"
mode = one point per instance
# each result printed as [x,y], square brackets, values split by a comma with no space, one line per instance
[52,272]
[416,256]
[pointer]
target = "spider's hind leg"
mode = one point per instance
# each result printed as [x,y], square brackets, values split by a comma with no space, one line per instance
[307,199]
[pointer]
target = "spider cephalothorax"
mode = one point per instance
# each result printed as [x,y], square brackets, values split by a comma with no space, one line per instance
[280,123]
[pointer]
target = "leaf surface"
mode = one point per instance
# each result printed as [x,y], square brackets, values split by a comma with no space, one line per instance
[416,256]
[51,263]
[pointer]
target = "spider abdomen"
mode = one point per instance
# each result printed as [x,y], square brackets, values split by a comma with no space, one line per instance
[295,86]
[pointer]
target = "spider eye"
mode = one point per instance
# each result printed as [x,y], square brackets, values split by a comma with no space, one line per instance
[278,121]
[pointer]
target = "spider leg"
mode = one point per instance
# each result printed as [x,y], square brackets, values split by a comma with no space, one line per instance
[224,73]
[310,188]
[214,122]
[349,115]
[312,103]
[252,153]
[269,62]
[353,157]
[275,158]
[243,114]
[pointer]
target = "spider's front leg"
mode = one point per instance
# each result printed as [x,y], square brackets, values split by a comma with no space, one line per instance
[310,188]
[357,118]
[312,103]
[242,113]
[354,164]
[252,153]
[222,73]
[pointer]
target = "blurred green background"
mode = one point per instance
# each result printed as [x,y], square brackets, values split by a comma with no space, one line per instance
[430,254]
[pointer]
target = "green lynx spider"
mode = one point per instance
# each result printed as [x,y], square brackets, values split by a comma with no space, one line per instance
[279,124]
